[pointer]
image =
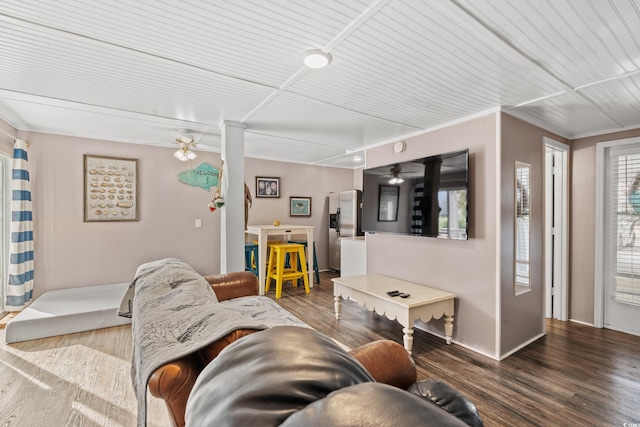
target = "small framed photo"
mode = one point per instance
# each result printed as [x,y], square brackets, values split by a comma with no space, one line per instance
[267,187]
[110,189]
[300,206]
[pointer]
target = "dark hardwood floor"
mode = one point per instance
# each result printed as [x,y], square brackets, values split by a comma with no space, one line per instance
[576,375]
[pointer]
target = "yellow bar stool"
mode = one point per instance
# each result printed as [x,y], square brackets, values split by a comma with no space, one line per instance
[270,243]
[276,267]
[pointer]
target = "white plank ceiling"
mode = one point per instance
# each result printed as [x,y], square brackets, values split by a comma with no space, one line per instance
[139,72]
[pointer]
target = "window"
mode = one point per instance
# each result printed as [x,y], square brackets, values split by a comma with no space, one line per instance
[452,221]
[624,222]
[5,223]
[522,278]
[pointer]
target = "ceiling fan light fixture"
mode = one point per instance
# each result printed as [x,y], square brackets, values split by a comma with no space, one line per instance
[316,58]
[184,153]
[180,155]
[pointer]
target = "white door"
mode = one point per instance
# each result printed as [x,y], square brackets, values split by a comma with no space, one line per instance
[556,230]
[621,237]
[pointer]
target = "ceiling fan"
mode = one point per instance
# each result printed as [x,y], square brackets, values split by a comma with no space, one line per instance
[186,143]
[395,175]
[399,172]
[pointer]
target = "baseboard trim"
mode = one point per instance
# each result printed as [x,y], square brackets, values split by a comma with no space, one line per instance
[475,350]
[582,323]
[521,346]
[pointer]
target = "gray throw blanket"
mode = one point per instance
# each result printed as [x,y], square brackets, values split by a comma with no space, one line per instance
[175,312]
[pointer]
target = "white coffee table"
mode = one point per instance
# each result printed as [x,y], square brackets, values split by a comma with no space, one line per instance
[370,291]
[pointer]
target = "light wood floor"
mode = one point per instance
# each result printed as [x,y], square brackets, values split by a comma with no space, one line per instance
[575,376]
[79,379]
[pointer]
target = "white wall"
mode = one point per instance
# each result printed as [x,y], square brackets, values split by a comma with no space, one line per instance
[467,268]
[72,253]
[522,316]
[297,180]
[489,317]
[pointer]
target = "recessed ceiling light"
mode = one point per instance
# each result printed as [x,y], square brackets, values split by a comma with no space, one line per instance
[357,158]
[316,58]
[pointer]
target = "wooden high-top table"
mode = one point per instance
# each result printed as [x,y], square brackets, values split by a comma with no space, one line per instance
[370,291]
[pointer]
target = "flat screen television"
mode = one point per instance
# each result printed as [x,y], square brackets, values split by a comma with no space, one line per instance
[422,197]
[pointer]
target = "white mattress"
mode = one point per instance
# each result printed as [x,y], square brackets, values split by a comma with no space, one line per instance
[67,311]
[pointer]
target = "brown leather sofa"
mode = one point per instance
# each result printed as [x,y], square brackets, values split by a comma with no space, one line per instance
[386,361]
[292,376]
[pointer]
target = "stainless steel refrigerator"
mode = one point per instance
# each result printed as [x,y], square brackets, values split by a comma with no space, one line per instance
[345,220]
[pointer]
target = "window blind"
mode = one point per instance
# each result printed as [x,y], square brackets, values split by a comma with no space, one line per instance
[623,225]
[523,186]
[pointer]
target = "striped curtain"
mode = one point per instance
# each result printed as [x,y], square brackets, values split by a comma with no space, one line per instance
[20,288]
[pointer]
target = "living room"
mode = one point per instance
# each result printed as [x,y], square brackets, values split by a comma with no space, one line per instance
[132,244]
[490,319]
